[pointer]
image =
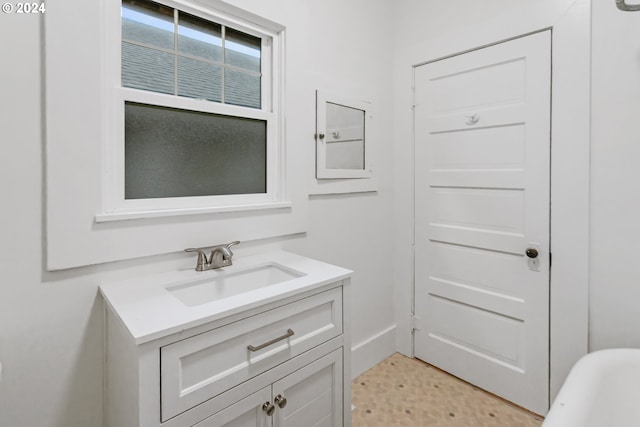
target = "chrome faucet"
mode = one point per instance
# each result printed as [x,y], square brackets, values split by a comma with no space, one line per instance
[221,256]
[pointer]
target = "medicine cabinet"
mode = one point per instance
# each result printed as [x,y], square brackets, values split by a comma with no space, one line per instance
[342,143]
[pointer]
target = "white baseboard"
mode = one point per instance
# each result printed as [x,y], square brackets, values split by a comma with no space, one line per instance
[372,351]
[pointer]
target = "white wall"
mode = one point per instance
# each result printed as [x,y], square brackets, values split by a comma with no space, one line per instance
[615,178]
[51,323]
[418,20]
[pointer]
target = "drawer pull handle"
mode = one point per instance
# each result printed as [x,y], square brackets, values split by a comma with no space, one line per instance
[289,333]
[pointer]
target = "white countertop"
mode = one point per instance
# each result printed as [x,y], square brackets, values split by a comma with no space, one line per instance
[150,312]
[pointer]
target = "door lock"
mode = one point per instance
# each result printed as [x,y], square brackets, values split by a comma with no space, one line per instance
[533,261]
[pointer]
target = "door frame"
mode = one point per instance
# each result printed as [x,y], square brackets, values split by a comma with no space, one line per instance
[570,145]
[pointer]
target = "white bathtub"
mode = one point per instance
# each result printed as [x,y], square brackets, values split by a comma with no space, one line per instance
[602,390]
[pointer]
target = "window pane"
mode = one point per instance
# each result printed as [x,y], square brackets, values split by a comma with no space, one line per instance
[199,37]
[147,69]
[147,23]
[199,79]
[242,50]
[241,88]
[177,153]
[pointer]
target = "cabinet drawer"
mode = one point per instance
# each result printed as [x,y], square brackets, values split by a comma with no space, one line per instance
[201,367]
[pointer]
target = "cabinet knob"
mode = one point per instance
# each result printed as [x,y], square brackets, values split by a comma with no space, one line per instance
[268,408]
[280,400]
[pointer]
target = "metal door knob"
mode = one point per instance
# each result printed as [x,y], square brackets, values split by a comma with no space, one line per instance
[531,253]
[280,400]
[268,408]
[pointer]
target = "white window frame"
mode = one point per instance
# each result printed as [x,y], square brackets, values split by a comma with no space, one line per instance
[115,206]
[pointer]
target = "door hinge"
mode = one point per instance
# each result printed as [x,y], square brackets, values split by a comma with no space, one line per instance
[414,323]
[550,258]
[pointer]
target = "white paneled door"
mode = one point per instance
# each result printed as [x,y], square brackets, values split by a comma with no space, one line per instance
[482,154]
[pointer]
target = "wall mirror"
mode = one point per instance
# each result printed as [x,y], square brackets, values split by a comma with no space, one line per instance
[342,143]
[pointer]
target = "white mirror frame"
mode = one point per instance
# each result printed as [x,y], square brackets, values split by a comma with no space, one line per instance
[322,172]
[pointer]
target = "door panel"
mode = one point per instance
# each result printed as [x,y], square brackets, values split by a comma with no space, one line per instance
[498,149]
[476,269]
[313,394]
[482,154]
[484,210]
[479,85]
[467,329]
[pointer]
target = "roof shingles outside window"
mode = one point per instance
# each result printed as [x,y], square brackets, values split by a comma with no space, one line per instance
[149,55]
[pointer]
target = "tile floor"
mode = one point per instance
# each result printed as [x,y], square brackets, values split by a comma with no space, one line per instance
[407,392]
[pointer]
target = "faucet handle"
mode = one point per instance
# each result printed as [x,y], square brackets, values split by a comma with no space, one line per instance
[202,258]
[228,246]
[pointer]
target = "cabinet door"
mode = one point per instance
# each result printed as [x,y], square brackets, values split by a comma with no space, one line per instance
[246,413]
[314,395]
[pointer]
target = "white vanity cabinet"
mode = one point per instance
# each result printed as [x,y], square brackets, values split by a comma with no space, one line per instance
[281,360]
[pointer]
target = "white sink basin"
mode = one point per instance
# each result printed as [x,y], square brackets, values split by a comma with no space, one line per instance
[158,305]
[228,282]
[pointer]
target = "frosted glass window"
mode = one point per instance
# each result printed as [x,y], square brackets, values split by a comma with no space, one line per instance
[191,150]
[178,153]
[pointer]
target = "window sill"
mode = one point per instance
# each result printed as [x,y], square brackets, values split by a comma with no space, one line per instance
[125,216]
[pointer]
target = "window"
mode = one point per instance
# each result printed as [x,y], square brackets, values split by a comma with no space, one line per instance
[168,51]
[223,154]
[195,122]
[108,200]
